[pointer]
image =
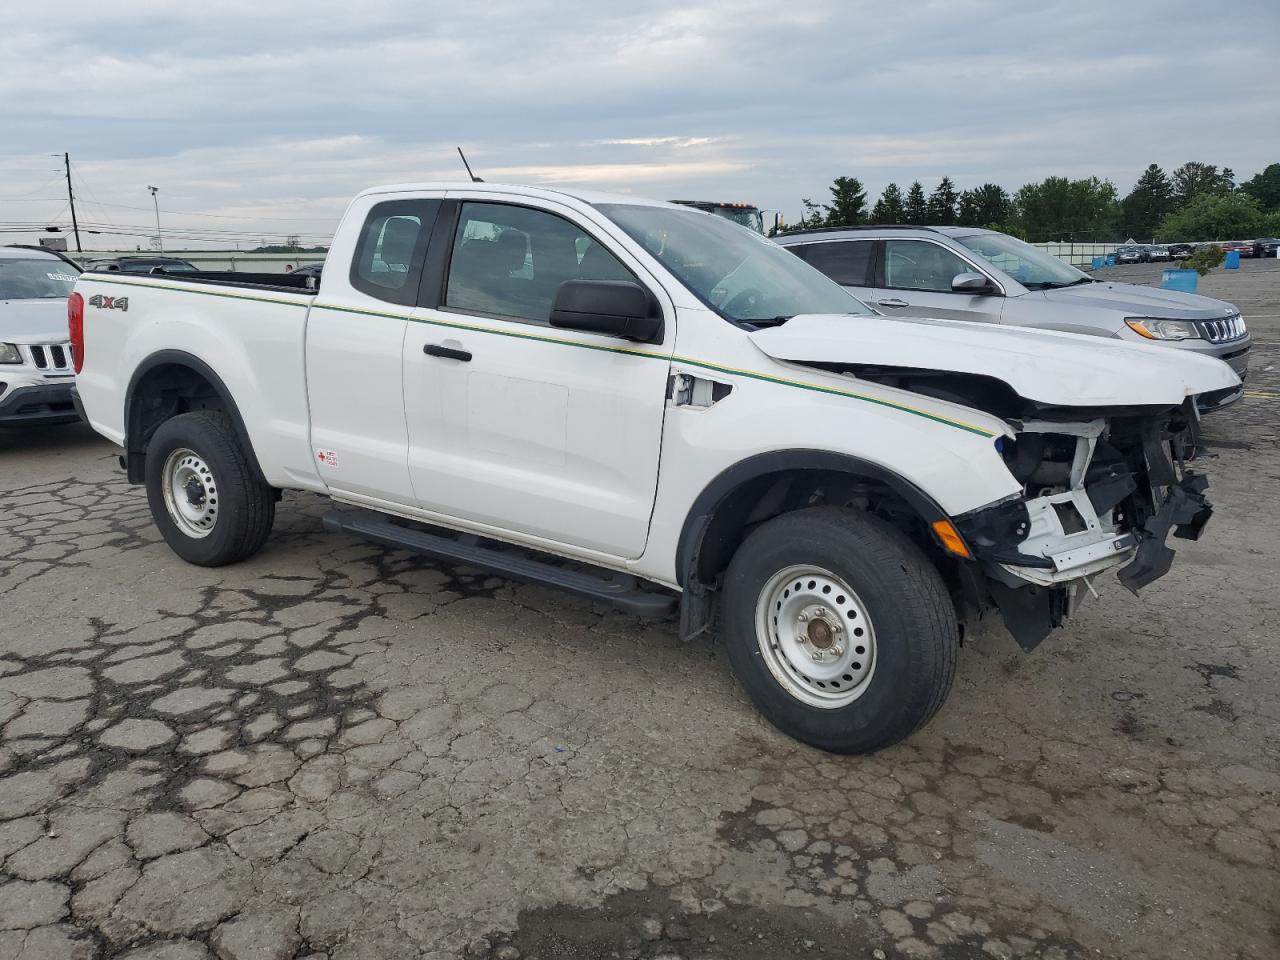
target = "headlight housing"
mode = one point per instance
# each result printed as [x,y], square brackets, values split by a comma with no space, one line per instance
[9,353]
[1155,329]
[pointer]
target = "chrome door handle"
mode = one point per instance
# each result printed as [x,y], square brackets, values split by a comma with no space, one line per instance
[449,353]
[892,302]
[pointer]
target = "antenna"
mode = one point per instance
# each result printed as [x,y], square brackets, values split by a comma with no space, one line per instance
[474,178]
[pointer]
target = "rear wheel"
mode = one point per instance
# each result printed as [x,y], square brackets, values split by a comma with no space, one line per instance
[204,495]
[839,628]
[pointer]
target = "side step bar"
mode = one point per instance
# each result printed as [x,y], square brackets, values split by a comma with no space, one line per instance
[619,589]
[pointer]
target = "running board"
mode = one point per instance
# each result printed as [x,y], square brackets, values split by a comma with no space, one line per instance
[619,589]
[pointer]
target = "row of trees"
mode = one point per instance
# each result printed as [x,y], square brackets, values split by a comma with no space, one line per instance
[1197,201]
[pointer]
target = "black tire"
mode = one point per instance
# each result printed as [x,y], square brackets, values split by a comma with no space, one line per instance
[246,506]
[915,630]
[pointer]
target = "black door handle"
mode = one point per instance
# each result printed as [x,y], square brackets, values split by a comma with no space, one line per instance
[436,350]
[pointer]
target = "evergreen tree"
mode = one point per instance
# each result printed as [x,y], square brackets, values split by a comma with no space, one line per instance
[812,216]
[915,211]
[983,206]
[1146,206]
[941,209]
[1194,178]
[1265,187]
[848,203]
[889,208]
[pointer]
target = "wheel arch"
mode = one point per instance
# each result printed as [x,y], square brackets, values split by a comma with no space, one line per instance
[165,384]
[766,485]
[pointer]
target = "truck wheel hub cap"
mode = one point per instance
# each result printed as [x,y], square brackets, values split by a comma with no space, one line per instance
[815,636]
[190,493]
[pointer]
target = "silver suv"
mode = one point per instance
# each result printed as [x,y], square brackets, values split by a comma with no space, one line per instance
[964,273]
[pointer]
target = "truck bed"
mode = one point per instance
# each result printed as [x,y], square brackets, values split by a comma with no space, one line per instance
[286,283]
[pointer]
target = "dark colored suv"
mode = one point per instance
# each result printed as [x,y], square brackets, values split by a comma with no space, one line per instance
[144,265]
[1266,247]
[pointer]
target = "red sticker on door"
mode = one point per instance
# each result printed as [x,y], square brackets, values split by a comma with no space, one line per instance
[328,457]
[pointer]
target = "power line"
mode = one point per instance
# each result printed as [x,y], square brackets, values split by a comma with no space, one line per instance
[223,216]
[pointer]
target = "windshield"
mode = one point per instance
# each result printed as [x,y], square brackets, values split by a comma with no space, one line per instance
[36,278]
[736,272]
[1031,267]
[752,219]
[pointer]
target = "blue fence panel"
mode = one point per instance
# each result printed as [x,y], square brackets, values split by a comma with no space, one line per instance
[1184,280]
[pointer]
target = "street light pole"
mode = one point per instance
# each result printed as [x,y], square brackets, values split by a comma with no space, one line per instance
[159,235]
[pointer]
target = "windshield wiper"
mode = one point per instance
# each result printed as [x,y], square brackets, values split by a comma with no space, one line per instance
[768,321]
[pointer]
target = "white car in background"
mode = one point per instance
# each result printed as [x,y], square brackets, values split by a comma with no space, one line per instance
[35,358]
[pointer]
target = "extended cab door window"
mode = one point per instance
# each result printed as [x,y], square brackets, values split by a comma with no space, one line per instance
[545,434]
[393,243]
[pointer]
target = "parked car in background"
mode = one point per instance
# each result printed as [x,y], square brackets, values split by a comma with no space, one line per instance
[310,270]
[963,273]
[1158,254]
[1242,247]
[35,357]
[1266,247]
[1179,250]
[510,377]
[1131,254]
[143,265]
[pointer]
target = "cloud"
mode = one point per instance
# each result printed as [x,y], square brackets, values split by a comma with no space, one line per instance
[267,117]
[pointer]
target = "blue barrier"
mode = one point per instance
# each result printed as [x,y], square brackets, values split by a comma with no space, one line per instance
[1183,280]
[1232,261]
[1111,259]
[1098,263]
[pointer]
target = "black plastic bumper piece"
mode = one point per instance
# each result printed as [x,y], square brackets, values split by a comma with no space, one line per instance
[39,403]
[1029,612]
[621,590]
[1185,512]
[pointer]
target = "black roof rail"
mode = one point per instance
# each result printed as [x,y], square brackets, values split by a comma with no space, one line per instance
[863,226]
[57,253]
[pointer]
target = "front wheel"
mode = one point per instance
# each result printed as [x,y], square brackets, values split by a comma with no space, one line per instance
[204,494]
[839,628]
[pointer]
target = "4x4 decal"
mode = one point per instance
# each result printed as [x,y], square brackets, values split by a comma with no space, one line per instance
[103,302]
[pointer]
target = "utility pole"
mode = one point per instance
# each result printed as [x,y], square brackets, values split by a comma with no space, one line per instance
[159,235]
[66,159]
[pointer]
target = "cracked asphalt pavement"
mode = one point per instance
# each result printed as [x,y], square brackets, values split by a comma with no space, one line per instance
[340,751]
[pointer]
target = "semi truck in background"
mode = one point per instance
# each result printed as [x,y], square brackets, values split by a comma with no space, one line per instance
[764,222]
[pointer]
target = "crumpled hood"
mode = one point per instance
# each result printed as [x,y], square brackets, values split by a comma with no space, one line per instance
[33,321]
[1135,301]
[1061,369]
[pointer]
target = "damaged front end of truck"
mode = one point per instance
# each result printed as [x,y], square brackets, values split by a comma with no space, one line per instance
[1100,493]
[1100,438]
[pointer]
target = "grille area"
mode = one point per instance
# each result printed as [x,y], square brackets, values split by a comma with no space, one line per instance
[1222,331]
[50,357]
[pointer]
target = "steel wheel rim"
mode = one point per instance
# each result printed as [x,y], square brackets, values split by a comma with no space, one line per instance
[815,636]
[190,493]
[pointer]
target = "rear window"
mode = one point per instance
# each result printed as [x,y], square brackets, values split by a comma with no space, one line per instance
[393,244]
[35,278]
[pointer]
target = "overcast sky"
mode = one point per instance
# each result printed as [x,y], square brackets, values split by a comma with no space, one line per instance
[266,116]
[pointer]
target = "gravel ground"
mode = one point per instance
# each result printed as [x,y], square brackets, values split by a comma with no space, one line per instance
[339,751]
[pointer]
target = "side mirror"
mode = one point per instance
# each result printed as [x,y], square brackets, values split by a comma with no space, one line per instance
[616,308]
[971,283]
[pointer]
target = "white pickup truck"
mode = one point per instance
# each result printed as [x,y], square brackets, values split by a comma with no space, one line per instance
[653,407]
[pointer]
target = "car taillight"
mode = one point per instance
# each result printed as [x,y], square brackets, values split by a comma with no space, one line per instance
[75,330]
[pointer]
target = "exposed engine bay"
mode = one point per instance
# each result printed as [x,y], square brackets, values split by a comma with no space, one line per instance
[1102,489]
